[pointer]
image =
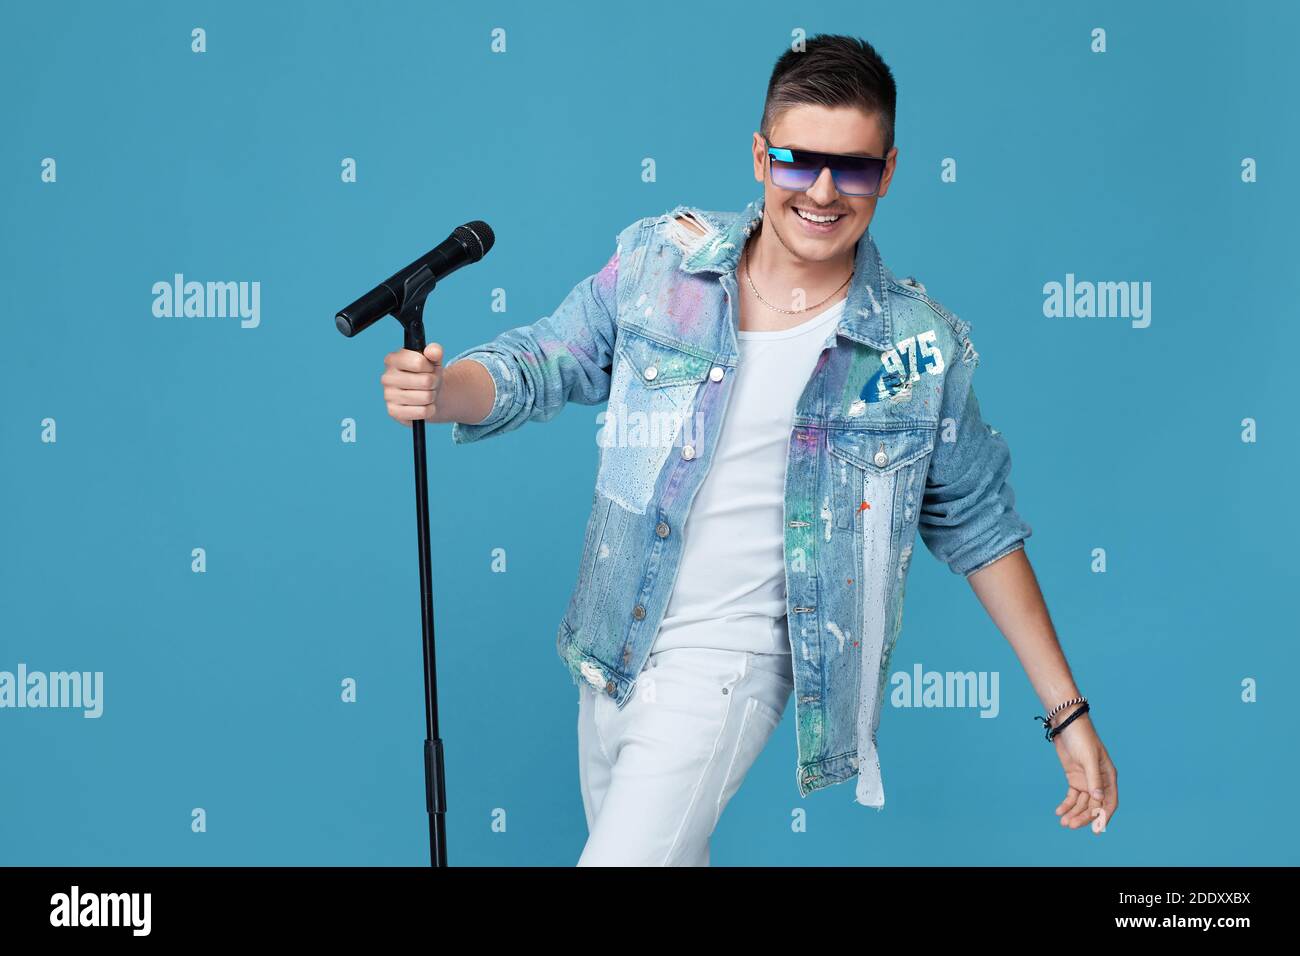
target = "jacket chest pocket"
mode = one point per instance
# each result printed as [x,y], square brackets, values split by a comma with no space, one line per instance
[859,454]
[651,415]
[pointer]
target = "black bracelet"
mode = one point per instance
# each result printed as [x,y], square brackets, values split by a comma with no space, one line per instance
[1053,731]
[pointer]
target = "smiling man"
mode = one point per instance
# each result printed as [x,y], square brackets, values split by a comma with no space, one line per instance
[823,417]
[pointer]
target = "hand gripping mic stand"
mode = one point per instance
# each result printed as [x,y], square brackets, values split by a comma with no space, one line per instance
[410,312]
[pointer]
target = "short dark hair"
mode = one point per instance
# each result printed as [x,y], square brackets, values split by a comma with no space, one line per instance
[832,70]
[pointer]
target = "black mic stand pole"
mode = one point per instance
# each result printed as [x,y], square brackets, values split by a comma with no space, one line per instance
[410,312]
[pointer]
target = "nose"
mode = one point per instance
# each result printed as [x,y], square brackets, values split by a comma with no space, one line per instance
[823,191]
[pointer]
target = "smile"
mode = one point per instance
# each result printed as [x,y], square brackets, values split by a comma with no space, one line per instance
[813,217]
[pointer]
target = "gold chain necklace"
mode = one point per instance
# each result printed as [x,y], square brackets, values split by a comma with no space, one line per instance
[777,308]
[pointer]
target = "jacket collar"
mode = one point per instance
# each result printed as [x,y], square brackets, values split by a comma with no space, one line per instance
[866,313]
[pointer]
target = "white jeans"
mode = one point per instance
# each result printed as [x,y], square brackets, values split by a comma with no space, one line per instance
[657,774]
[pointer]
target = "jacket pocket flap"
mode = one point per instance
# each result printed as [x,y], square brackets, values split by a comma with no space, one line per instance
[881,450]
[658,364]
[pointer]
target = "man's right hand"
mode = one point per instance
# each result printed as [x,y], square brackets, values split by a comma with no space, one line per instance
[411,383]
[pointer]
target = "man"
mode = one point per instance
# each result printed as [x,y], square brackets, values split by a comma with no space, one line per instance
[784,417]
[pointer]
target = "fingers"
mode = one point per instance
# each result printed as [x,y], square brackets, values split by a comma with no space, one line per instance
[411,381]
[1111,801]
[410,396]
[414,395]
[407,360]
[1096,804]
[408,404]
[1080,806]
[1096,792]
[407,412]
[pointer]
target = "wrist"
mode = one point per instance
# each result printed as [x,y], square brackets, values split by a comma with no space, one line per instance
[466,394]
[1064,714]
[1062,705]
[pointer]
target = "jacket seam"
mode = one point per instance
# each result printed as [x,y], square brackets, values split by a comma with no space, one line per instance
[960,328]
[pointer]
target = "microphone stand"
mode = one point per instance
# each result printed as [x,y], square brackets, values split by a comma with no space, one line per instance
[410,312]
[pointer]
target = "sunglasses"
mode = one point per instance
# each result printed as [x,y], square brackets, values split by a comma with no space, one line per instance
[798,169]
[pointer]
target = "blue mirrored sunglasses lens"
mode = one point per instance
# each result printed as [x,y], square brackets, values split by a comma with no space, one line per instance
[858,180]
[794,174]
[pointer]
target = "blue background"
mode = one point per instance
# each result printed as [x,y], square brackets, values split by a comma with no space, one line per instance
[222,690]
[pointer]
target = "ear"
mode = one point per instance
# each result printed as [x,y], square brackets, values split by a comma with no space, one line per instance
[760,158]
[891,159]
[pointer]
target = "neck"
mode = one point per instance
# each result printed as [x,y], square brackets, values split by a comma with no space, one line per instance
[778,272]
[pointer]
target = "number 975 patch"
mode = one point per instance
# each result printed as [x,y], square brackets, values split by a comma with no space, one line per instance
[901,366]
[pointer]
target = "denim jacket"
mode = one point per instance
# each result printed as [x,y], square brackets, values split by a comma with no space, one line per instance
[887,442]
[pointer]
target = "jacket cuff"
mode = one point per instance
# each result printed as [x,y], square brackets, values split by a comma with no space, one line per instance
[1016,546]
[504,401]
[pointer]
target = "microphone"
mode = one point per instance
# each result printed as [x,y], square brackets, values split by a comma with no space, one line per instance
[466,244]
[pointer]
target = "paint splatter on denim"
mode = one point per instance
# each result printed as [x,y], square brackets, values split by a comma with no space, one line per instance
[887,443]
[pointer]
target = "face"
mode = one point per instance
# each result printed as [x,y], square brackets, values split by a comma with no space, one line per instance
[842,129]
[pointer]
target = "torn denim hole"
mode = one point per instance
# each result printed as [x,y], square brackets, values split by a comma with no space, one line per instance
[840,636]
[595,677]
[689,240]
[697,248]
[903,558]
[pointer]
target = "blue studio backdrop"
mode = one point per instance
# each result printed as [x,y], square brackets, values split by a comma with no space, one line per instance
[214,514]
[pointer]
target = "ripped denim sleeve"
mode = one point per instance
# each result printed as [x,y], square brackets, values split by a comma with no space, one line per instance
[563,357]
[968,517]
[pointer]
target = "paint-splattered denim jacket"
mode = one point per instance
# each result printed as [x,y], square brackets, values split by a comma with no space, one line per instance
[887,442]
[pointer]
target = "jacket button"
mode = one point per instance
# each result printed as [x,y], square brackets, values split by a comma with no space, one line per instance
[662,529]
[611,688]
[881,459]
[650,373]
[688,452]
[716,373]
[638,612]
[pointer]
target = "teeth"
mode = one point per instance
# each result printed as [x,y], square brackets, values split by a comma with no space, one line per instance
[811,217]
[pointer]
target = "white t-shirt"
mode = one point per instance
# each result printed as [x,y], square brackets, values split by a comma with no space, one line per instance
[730,587]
